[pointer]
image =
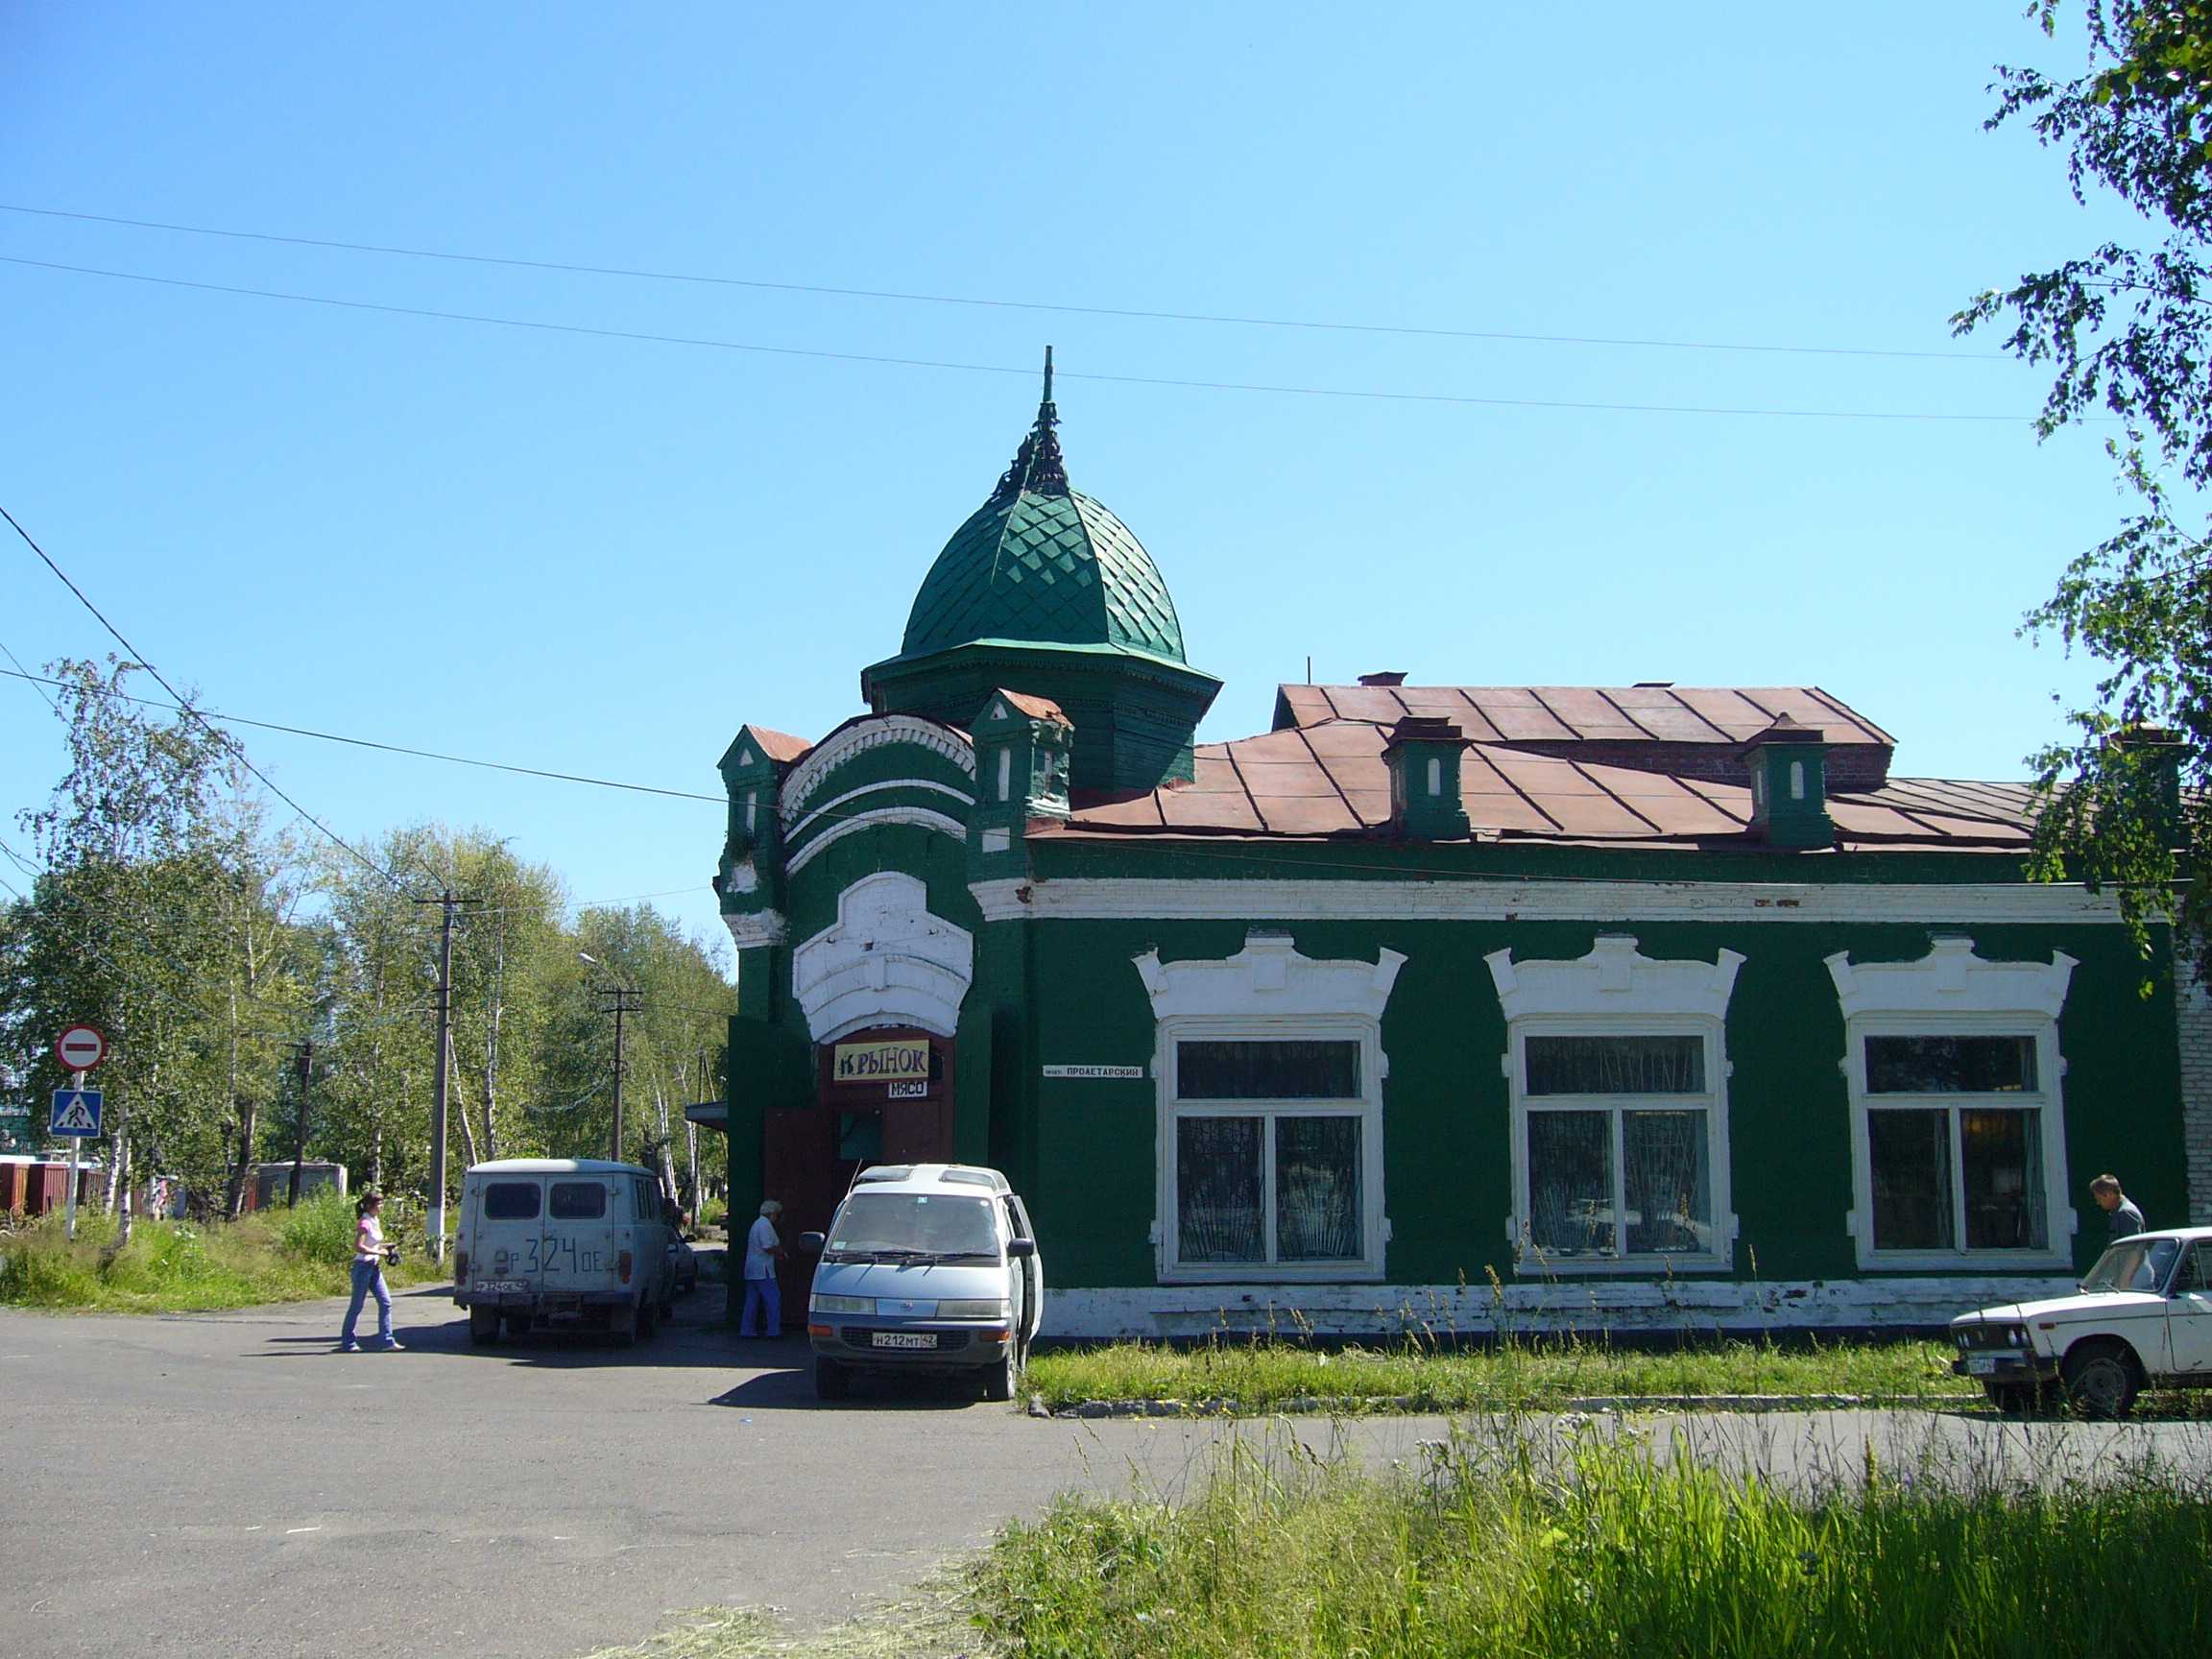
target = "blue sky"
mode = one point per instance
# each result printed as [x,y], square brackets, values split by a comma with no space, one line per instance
[600,556]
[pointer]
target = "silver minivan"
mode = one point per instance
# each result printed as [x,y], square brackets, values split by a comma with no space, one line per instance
[562,1243]
[926,1268]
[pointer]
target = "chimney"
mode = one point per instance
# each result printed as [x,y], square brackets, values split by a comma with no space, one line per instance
[1422,756]
[1790,786]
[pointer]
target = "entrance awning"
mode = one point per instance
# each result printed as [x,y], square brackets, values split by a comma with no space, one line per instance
[711,1115]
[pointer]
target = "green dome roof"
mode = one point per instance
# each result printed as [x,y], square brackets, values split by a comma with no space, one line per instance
[1040,562]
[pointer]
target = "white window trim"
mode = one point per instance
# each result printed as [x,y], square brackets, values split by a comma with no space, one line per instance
[1366,1106]
[1617,991]
[1529,1257]
[1952,992]
[1269,991]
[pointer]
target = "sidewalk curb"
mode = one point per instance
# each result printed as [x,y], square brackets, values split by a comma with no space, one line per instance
[1403,1404]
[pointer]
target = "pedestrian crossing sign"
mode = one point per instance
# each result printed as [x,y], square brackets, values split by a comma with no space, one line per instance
[76,1113]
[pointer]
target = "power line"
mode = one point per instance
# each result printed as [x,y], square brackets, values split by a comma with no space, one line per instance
[183,707]
[1000,368]
[1000,304]
[388,748]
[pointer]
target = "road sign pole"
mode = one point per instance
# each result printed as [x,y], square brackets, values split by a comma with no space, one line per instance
[69,1227]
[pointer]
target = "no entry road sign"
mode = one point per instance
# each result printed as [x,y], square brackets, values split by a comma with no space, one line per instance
[80,1047]
[76,1113]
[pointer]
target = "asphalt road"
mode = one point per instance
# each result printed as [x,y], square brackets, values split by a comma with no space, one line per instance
[228,1485]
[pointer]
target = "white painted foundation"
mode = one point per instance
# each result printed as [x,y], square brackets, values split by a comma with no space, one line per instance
[1445,1309]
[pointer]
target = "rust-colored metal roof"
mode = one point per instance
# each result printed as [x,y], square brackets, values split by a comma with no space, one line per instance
[779,746]
[1585,714]
[1036,708]
[1329,779]
[1685,731]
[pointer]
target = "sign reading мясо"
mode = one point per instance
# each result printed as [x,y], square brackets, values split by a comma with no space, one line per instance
[880,1062]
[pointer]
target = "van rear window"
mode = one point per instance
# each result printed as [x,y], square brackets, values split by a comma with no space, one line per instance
[578,1201]
[511,1201]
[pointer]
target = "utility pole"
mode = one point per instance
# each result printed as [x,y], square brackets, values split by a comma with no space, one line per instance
[623,1001]
[446,901]
[303,1073]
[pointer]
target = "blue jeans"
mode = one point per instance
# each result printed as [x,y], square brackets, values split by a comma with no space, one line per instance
[763,1296]
[368,1279]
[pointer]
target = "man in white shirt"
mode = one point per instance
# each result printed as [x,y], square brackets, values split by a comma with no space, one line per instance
[763,1297]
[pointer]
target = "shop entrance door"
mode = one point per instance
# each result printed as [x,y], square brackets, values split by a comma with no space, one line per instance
[882,1095]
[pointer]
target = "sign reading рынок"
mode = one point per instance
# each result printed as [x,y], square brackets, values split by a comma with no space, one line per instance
[880,1062]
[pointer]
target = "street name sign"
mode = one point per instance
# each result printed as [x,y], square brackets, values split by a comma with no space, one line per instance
[1095,1072]
[80,1047]
[76,1113]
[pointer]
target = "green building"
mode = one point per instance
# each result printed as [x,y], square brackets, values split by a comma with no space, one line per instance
[1638,1007]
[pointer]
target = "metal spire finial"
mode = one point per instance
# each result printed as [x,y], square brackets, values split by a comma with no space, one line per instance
[1037,468]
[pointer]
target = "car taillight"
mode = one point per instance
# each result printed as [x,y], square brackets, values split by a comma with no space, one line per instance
[622,1264]
[459,1265]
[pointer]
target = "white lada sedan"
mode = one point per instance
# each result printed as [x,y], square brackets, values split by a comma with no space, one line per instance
[2141,1319]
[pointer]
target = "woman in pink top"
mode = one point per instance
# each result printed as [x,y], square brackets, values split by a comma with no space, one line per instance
[370,1252]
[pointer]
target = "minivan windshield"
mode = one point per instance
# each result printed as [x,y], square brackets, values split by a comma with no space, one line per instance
[2132,1265]
[914,1226]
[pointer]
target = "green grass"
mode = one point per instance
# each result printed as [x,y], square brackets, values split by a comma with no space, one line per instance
[174,1266]
[1263,1374]
[1522,1546]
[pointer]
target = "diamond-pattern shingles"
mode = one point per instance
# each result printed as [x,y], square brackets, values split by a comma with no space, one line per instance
[1051,568]
[1140,614]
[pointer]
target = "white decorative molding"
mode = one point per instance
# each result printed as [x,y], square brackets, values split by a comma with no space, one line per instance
[872,732]
[1655,1302]
[1268,977]
[836,801]
[749,930]
[742,877]
[886,961]
[1952,992]
[1951,980]
[998,838]
[921,816]
[1615,978]
[1503,900]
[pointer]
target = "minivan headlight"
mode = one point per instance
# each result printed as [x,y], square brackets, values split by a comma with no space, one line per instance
[843,1304]
[981,1308]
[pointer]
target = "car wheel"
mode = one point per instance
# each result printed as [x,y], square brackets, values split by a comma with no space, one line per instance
[1001,1380]
[831,1381]
[2102,1379]
[622,1328]
[483,1325]
[648,1320]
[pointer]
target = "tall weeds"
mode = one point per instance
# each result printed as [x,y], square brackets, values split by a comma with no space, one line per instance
[175,1266]
[1515,1546]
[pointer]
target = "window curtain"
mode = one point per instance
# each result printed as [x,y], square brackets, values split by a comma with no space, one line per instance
[1571,1182]
[1662,1164]
[1267,1071]
[1318,1189]
[1669,1064]
[1217,1173]
[1910,1156]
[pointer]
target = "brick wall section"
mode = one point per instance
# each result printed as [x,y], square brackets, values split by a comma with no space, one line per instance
[2193,1020]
